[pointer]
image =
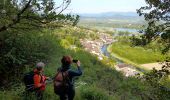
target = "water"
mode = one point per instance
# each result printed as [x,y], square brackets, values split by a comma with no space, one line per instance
[127,30]
[118,61]
[107,54]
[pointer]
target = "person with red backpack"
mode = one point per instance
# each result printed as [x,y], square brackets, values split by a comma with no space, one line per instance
[38,78]
[35,81]
[64,79]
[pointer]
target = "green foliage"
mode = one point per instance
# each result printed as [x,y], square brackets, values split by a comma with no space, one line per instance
[138,41]
[93,93]
[98,82]
[23,38]
[20,50]
[156,14]
[33,14]
[156,78]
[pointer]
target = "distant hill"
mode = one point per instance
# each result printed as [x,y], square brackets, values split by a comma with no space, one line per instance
[112,15]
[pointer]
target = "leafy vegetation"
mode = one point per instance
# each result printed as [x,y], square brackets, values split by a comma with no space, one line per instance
[20,51]
[156,14]
[33,14]
[99,80]
[32,36]
[23,36]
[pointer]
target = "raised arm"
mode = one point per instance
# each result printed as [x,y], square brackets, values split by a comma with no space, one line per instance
[77,72]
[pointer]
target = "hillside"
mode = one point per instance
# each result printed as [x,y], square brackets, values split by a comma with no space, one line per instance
[100,81]
[120,49]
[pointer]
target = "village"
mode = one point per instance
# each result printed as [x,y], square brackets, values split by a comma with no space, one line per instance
[94,47]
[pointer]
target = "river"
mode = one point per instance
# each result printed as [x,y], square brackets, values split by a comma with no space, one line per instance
[127,69]
[106,53]
[127,30]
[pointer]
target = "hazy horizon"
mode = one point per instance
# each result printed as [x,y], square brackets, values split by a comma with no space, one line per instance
[109,12]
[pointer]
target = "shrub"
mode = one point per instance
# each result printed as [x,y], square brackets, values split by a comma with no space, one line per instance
[93,93]
[19,50]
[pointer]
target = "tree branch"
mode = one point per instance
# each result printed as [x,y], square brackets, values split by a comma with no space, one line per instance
[18,18]
[66,6]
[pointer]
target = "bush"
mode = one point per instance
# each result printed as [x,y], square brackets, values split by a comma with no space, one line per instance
[19,50]
[93,93]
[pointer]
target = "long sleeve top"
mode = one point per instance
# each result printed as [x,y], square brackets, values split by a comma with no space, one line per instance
[39,81]
[72,74]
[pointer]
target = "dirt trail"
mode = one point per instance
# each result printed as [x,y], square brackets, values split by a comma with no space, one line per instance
[150,66]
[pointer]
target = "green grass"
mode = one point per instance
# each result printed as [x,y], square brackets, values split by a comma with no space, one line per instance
[137,55]
[101,81]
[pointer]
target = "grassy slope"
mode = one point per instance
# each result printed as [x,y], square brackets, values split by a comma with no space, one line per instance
[101,81]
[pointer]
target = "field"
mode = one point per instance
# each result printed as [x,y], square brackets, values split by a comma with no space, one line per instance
[138,55]
[99,23]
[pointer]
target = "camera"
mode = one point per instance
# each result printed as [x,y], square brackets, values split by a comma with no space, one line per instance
[75,61]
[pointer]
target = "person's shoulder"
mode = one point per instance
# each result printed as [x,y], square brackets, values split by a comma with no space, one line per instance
[68,70]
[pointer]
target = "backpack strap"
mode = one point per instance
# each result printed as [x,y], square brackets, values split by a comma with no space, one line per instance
[66,77]
[41,80]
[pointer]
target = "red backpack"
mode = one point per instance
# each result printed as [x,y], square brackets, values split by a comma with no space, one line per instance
[61,82]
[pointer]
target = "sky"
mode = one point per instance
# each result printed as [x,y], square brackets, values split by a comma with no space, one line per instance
[99,6]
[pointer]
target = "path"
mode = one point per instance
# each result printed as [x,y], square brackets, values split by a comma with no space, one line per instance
[150,66]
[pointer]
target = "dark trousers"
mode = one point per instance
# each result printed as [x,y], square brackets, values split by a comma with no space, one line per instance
[39,95]
[68,95]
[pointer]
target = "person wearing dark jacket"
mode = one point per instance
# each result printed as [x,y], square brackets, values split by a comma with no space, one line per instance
[66,71]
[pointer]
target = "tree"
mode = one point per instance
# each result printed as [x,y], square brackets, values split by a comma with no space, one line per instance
[17,14]
[156,79]
[22,42]
[157,14]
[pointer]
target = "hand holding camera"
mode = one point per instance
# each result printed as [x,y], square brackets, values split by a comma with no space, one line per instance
[77,62]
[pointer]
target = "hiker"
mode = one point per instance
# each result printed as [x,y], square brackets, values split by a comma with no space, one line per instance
[64,79]
[39,80]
